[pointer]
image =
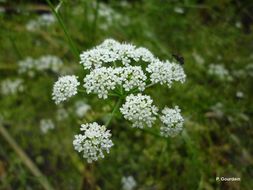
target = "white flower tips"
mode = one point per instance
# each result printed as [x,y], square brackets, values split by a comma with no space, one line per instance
[113,64]
[42,21]
[11,87]
[139,110]
[165,72]
[111,51]
[64,88]
[132,77]
[128,183]
[93,142]
[172,122]
[100,81]
[220,72]
[46,125]
[47,62]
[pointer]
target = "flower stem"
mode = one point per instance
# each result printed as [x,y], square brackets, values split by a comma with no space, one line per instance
[94,27]
[25,159]
[149,85]
[116,107]
[70,42]
[149,131]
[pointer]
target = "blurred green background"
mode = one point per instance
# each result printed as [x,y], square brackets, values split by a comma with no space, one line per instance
[214,37]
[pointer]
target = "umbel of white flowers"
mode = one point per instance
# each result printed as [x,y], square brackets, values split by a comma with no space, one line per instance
[122,70]
[94,140]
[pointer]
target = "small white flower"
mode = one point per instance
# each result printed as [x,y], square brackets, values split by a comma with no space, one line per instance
[93,142]
[65,88]
[218,110]
[49,62]
[42,21]
[238,24]
[108,44]
[179,10]
[46,125]
[249,69]
[139,110]
[111,51]
[132,77]
[26,66]
[109,17]
[220,72]
[11,87]
[128,183]
[46,62]
[172,122]
[198,58]
[239,94]
[81,108]
[61,114]
[165,72]
[143,54]
[100,81]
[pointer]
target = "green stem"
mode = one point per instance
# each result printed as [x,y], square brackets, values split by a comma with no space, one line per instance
[70,42]
[137,90]
[79,90]
[14,45]
[152,133]
[113,94]
[94,27]
[25,159]
[149,85]
[116,107]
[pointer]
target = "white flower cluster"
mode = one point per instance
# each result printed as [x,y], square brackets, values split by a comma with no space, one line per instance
[81,108]
[179,10]
[128,183]
[217,110]
[239,94]
[101,80]
[61,114]
[65,88]
[220,72]
[42,21]
[112,63]
[11,87]
[94,140]
[172,122]
[111,51]
[165,72]
[46,125]
[108,17]
[132,77]
[47,62]
[121,69]
[139,110]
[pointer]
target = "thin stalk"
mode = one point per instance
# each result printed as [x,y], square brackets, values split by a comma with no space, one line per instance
[79,90]
[113,94]
[94,27]
[116,107]
[137,90]
[14,45]
[25,159]
[152,133]
[149,85]
[70,42]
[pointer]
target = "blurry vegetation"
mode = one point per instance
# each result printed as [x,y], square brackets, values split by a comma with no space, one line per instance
[218,131]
